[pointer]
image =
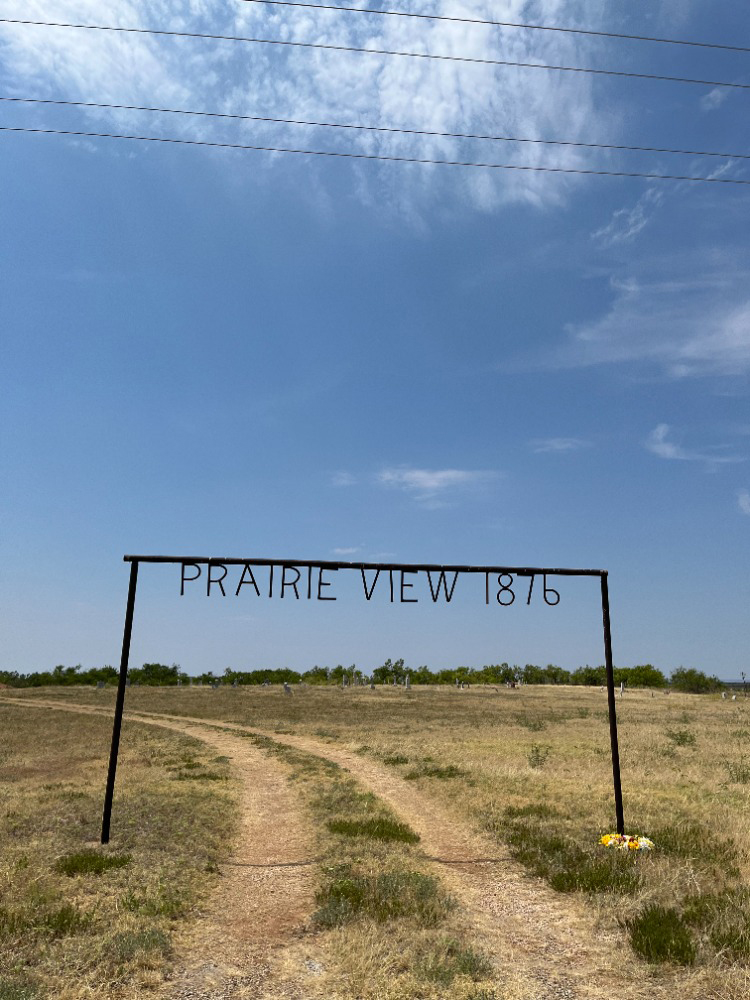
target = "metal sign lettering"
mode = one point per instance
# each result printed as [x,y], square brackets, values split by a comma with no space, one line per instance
[398,585]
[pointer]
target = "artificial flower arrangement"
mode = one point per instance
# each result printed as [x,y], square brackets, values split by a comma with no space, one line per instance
[625,842]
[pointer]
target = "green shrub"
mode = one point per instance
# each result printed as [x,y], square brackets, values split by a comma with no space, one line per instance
[659,934]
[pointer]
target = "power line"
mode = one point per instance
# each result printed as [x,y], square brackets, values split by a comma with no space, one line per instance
[374,156]
[375,128]
[506,24]
[380,52]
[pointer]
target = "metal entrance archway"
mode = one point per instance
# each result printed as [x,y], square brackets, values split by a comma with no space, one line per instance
[322,566]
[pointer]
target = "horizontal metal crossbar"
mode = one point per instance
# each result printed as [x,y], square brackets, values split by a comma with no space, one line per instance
[335,564]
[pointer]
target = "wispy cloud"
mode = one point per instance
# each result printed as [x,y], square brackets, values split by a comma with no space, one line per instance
[558,445]
[626,223]
[713,99]
[326,86]
[347,550]
[433,486]
[689,316]
[658,443]
[343,478]
[743,502]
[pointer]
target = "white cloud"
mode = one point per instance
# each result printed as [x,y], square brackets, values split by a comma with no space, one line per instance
[743,502]
[328,86]
[343,479]
[346,551]
[558,445]
[658,443]
[690,317]
[627,223]
[713,99]
[431,486]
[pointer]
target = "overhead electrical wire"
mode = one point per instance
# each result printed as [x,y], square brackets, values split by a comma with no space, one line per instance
[506,24]
[374,156]
[380,52]
[374,128]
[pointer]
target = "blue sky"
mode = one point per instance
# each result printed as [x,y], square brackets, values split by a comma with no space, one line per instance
[248,354]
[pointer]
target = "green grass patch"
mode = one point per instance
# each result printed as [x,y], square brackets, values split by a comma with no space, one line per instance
[90,863]
[19,989]
[200,776]
[377,828]
[394,759]
[448,959]
[690,840]
[681,737]
[723,920]
[659,934]
[534,725]
[556,857]
[738,770]
[383,897]
[128,946]
[435,771]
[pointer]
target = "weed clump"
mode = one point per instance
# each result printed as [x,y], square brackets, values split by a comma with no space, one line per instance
[90,863]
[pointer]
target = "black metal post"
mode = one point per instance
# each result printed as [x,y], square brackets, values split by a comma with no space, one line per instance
[120,703]
[611,700]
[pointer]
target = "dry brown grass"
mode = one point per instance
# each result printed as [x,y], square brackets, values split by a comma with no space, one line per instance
[88,935]
[683,759]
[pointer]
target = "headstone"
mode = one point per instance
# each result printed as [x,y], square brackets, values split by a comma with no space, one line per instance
[723,696]
[622,688]
[179,683]
[127,682]
[99,685]
[235,684]
[287,689]
[372,685]
[734,697]
[408,683]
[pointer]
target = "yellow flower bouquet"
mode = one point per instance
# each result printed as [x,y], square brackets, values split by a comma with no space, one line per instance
[625,842]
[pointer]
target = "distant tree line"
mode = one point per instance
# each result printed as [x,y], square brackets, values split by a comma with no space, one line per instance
[391,672]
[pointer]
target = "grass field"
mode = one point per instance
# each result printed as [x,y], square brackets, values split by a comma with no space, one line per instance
[529,768]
